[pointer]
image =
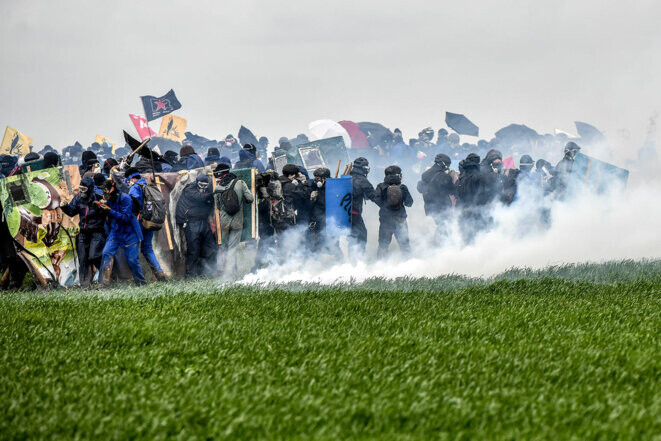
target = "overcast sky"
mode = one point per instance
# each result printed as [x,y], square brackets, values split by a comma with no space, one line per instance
[72,69]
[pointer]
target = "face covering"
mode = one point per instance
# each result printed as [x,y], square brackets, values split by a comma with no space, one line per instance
[320,184]
[497,167]
[202,186]
[84,192]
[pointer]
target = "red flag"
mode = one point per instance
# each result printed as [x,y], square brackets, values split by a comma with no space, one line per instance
[508,162]
[144,131]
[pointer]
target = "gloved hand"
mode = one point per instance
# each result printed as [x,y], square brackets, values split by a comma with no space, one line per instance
[301,177]
[295,182]
[313,195]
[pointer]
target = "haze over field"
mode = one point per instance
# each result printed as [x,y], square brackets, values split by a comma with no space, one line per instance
[72,69]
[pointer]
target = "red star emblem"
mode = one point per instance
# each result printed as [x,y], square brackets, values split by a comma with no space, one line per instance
[159,105]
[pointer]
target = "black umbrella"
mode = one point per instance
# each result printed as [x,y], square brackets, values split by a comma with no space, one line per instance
[460,124]
[247,137]
[375,132]
[588,132]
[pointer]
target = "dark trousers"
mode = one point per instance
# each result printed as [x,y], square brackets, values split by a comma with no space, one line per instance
[389,227]
[90,250]
[201,249]
[358,235]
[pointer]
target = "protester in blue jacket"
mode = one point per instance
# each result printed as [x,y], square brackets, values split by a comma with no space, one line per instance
[188,159]
[124,232]
[135,183]
[92,236]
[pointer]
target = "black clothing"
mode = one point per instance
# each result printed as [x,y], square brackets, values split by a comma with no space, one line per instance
[386,212]
[436,187]
[296,197]
[389,227]
[194,205]
[90,250]
[201,248]
[362,191]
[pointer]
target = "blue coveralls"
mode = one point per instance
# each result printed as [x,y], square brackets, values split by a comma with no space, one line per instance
[124,232]
[146,248]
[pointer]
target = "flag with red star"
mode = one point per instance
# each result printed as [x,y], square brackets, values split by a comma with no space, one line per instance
[157,107]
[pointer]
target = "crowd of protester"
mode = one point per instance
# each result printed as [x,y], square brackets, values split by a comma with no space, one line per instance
[451,180]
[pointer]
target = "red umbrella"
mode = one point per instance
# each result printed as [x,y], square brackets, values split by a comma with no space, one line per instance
[358,138]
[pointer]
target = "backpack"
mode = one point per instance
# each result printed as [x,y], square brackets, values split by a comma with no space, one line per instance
[153,212]
[230,200]
[394,197]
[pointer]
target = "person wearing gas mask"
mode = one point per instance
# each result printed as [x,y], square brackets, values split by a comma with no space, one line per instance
[363,191]
[474,191]
[123,231]
[92,235]
[135,183]
[271,216]
[491,168]
[438,189]
[562,171]
[400,153]
[194,208]
[231,148]
[393,197]
[295,194]
[231,194]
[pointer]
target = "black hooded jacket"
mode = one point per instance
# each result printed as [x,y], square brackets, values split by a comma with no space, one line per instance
[362,191]
[296,197]
[436,187]
[194,205]
[92,218]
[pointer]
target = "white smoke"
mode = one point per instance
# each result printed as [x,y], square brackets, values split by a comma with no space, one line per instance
[588,228]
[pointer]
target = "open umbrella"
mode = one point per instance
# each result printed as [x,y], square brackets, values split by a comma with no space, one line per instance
[589,132]
[247,137]
[460,124]
[374,132]
[358,139]
[325,128]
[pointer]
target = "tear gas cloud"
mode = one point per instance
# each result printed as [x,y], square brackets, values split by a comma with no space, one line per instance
[619,224]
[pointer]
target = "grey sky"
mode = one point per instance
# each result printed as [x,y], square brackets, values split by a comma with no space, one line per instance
[72,69]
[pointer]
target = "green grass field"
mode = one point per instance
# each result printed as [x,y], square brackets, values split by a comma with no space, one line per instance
[566,353]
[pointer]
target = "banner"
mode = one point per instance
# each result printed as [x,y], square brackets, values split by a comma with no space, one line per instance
[144,131]
[156,107]
[339,195]
[44,236]
[15,143]
[101,139]
[173,127]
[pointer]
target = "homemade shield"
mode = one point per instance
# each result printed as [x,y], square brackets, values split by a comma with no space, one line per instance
[597,175]
[460,124]
[249,176]
[339,195]
[332,150]
[44,236]
[312,159]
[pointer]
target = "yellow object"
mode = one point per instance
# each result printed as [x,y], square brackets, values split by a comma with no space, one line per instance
[101,139]
[173,127]
[15,143]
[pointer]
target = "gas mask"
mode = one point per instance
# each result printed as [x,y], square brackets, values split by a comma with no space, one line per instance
[320,184]
[496,166]
[83,191]
[202,186]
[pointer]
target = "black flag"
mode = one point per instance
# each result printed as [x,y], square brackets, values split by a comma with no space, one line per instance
[156,107]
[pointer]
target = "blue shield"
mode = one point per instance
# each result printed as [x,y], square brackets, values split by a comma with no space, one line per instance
[339,195]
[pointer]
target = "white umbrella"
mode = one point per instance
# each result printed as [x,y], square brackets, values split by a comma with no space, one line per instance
[325,128]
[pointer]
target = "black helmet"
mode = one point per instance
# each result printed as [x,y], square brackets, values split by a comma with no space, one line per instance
[526,160]
[322,172]
[393,170]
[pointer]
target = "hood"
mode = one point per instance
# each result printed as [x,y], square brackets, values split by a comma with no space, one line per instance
[392,180]
[245,154]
